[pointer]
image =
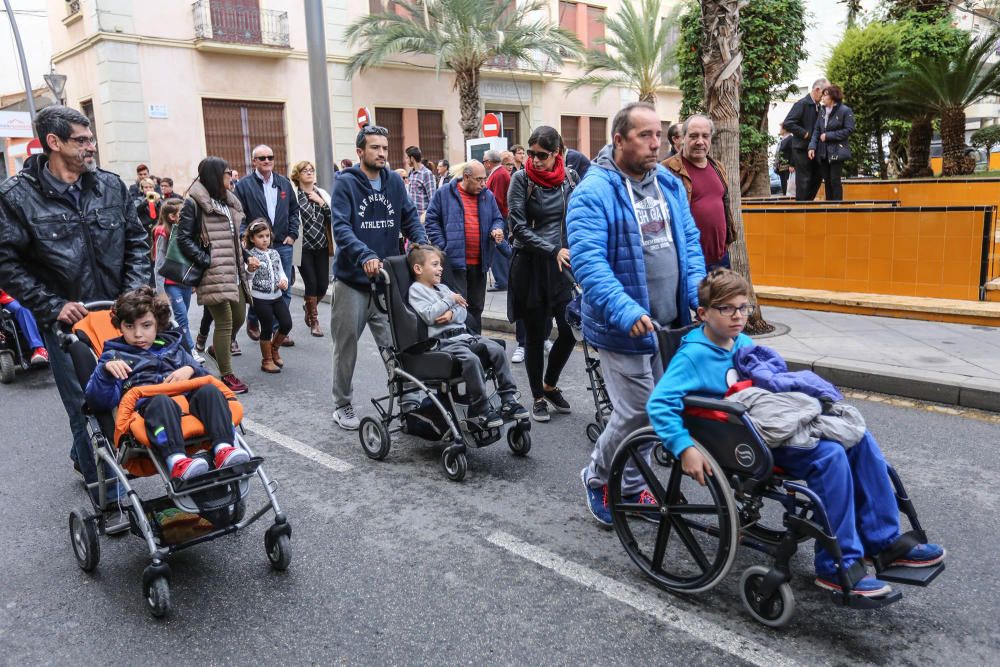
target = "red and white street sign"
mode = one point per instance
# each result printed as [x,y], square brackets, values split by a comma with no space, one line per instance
[34,146]
[491,125]
[364,117]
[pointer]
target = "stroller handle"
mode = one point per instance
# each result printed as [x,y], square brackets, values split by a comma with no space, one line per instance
[64,332]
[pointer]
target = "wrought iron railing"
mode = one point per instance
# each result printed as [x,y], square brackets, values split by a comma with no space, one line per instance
[233,23]
[72,7]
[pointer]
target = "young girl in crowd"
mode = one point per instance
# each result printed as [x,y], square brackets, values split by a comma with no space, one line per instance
[266,285]
[179,295]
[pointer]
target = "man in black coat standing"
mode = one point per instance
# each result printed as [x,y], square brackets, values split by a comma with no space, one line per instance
[800,122]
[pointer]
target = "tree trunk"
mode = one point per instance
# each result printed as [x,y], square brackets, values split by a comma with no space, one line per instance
[880,150]
[918,151]
[648,96]
[467,84]
[897,153]
[956,162]
[722,58]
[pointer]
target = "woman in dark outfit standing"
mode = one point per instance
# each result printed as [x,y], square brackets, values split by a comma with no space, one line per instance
[540,286]
[828,145]
[315,242]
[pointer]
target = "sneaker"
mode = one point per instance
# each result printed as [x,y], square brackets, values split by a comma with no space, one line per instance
[869,587]
[186,468]
[555,397]
[198,356]
[253,330]
[234,348]
[644,497]
[230,456]
[490,420]
[235,384]
[540,411]
[518,356]
[548,346]
[345,418]
[199,343]
[513,410]
[39,357]
[597,501]
[922,555]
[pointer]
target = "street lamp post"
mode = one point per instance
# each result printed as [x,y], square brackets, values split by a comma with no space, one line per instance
[29,96]
[319,93]
[57,84]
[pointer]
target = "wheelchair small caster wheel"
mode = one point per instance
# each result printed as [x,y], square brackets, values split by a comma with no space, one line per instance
[661,456]
[594,432]
[6,368]
[519,441]
[456,464]
[279,551]
[83,537]
[374,438]
[156,589]
[774,611]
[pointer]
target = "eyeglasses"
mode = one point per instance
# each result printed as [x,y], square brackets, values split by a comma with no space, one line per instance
[83,141]
[539,155]
[264,158]
[478,179]
[727,310]
[308,170]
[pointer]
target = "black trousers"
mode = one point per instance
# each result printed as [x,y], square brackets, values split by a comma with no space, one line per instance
[163,419]
[315,271]
[807,176]
[830,172]
[471,283]
[783,177]
[269,311]
[535,325]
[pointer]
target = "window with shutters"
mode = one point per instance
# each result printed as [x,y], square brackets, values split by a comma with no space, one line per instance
[430,125]
[595,28]
[87,109]
[598,135]
[570,130]
[392,120]
[233,128]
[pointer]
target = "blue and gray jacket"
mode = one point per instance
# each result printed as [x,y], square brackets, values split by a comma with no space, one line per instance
[445,223]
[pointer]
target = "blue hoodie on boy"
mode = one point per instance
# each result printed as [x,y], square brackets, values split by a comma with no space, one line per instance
[699,367]
[367,222]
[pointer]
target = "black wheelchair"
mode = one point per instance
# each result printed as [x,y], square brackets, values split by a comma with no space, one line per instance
[14,351]
[687,542]
[427,395]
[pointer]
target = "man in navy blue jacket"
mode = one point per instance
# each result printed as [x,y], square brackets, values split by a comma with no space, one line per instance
[370,207]
[269,195]
[464,221]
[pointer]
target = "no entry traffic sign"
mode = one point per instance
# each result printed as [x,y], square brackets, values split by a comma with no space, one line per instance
[364,117]
[491,125]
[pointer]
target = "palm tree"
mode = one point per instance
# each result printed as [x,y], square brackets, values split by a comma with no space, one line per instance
[640,56]
[946,87]
[854,10]
[722,58]
[462,36]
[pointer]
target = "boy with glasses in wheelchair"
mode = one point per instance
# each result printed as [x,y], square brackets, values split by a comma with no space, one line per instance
[853,483]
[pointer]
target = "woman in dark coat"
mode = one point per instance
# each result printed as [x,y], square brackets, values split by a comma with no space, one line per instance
[540,286]
[829,145]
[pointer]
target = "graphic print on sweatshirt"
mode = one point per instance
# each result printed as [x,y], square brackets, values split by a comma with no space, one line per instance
[656,232]
[376,212]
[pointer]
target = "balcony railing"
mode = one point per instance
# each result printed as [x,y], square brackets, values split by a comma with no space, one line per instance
[233,23]
[72,7]
[518,65]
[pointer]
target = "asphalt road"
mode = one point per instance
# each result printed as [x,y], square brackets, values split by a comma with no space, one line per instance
[394,564]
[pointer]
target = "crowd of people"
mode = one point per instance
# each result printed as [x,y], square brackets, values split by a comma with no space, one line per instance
[644,243]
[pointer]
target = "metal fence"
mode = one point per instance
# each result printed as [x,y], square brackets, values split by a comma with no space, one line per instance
[240,22]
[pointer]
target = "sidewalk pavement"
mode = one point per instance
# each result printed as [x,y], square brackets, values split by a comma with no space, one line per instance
[955,364]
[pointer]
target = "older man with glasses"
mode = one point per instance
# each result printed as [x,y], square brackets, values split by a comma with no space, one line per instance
[269,195]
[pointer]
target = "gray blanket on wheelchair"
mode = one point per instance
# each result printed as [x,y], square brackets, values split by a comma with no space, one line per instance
[795,419]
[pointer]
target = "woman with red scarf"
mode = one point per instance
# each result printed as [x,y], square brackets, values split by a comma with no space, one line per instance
[540,285]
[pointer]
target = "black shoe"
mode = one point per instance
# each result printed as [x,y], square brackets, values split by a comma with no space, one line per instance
[513,410]
[540,411]
[490,420]
[555,397]
[497,288]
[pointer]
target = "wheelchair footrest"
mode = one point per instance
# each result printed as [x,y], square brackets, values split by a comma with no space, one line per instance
[911,576]
[220,475]
[865,602]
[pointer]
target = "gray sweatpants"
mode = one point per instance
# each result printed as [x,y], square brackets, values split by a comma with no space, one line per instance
[466,349]
[352,310]
[629,379]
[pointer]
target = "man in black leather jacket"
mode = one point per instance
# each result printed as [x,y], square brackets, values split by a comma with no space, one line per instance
[68,234]
[800,121]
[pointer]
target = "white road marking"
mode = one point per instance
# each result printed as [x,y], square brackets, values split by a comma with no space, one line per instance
[706,631]
[300,448]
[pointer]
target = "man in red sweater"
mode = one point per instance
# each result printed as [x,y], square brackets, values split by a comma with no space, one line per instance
[498,182]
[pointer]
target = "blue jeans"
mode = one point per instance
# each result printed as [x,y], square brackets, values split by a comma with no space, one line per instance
[285,253]
[180,302]
[855,488]
[501,270]
[26,323]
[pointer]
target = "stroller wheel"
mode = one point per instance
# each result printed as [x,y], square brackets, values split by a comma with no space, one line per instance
[774,611]
[6,368]
[374,438]
[279,551]
[519,441]
[157,593]
[594,432]
[83,537]
[456,464]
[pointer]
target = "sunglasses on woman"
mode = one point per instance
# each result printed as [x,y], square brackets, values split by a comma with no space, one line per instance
[539,155]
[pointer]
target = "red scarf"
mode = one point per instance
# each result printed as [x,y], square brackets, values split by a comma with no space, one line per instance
[546,179]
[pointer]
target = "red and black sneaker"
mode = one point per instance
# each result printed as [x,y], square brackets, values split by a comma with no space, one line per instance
[186,468]
[234,383]
[227,455]
[39,357]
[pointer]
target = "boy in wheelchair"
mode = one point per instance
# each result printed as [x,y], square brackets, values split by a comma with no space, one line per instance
[444,312]
[149,352]
[853,484]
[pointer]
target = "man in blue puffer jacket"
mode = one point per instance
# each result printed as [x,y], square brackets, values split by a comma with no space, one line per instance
[637,254]
[464,221]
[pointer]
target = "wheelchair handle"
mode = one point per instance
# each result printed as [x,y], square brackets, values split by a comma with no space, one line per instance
[64,332]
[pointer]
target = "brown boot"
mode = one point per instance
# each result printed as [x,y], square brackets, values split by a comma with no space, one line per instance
[267,358]
[275,346]
[313,304]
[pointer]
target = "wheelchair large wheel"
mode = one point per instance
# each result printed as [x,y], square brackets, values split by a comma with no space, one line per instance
[686,542]
[374,438]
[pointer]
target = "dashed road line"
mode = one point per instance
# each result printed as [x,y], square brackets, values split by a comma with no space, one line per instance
[702,630]
[300,448]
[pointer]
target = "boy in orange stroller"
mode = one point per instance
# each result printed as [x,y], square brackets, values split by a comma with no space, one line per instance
[148,352]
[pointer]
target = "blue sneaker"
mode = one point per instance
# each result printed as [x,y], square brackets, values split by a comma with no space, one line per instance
[597,500]
[869,587]
[645,498]
[922,555]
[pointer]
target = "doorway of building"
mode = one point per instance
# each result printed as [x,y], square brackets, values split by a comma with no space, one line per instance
[234,127]
[511,125]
